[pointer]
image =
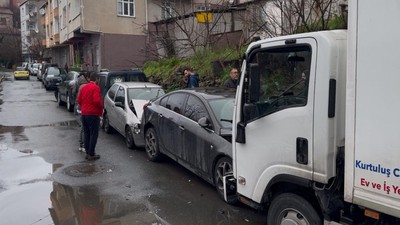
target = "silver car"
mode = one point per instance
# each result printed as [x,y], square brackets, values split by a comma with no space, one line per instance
[123,108]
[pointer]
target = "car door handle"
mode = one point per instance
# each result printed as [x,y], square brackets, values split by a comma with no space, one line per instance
[181,127]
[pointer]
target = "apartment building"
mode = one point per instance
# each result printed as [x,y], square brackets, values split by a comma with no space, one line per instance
[111,34]
[32,32]
[97,34]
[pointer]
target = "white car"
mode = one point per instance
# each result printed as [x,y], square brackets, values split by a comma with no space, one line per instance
[123,108]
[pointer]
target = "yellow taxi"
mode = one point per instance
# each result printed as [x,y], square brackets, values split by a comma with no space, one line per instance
[21,73]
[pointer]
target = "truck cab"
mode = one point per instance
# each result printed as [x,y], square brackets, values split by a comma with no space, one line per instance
[315,125]
[286,129]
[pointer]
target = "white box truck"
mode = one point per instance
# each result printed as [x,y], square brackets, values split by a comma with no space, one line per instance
[316,136]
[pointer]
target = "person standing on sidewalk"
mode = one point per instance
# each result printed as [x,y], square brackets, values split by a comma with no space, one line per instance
[89,98]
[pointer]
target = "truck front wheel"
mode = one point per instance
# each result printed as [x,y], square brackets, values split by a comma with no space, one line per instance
[292,209]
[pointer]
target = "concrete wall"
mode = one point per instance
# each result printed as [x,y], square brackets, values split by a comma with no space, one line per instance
[101,16]
[120,51]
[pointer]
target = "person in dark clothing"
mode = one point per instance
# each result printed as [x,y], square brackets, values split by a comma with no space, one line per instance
[91,102]
[232,82]
[83,79]
[191,77]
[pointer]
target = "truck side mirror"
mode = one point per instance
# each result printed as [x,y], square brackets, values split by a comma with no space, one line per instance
[254,83]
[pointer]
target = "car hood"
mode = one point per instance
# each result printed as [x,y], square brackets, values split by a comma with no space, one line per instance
[138,105]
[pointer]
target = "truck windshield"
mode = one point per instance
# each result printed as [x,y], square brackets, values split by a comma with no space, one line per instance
[284,77]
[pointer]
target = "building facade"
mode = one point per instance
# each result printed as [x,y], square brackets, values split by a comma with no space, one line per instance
[96,34]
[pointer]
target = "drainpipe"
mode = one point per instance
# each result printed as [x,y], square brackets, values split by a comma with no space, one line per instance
[147,29]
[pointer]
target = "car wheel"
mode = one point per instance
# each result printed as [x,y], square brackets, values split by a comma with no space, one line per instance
[107,127]
[289,208]
[59,101]
[151,145]
[130,143]
[70,106]
[222,167]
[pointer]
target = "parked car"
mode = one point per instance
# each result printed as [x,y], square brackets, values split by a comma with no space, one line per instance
[123,108]
[52,77]
[108,78]
[66,91]
[21,73]
[33,69]
[194,128]
[42,70]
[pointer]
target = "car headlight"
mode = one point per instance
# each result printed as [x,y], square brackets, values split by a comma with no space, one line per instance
[136,128]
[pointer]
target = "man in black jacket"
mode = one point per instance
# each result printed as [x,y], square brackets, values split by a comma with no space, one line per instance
[232,82]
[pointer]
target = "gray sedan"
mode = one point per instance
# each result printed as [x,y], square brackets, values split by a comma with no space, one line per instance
[194,128]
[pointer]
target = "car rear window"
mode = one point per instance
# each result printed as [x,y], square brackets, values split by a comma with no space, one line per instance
[144,93]
[53,70]
[138,77]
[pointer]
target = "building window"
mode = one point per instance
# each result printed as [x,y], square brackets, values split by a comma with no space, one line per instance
[3,22]
[126,7]
[167,10]
[64,17]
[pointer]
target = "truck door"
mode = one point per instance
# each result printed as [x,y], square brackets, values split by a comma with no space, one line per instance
[278,125]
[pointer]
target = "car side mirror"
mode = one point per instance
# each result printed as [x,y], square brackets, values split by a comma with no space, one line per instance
[119,104]
[204,122]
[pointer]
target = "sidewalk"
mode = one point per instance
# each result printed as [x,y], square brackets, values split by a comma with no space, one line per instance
[4,73]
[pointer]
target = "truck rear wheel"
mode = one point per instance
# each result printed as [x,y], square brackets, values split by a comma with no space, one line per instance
[292,209]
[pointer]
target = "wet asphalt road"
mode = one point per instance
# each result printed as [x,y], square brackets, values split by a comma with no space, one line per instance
[45,180]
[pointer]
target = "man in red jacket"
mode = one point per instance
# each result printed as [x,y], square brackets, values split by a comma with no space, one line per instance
[91,103]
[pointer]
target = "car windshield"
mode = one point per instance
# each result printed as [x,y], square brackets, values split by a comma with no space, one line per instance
[53,71]
[144,93]
[223,110]
[20,68]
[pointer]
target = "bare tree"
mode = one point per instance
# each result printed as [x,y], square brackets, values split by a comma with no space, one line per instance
[282,17]
[10,45]
[185,28]
[34,45]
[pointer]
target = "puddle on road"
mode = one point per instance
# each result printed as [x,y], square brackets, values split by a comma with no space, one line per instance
[24,187]
[18,132]
[27,185]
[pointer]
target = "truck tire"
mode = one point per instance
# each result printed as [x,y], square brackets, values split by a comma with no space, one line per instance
[289,208]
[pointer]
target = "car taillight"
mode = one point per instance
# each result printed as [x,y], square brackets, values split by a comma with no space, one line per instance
[146,105]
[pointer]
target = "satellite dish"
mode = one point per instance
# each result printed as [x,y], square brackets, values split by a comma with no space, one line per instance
[42,11]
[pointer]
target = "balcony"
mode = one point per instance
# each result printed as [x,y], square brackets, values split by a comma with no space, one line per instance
[32,14]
